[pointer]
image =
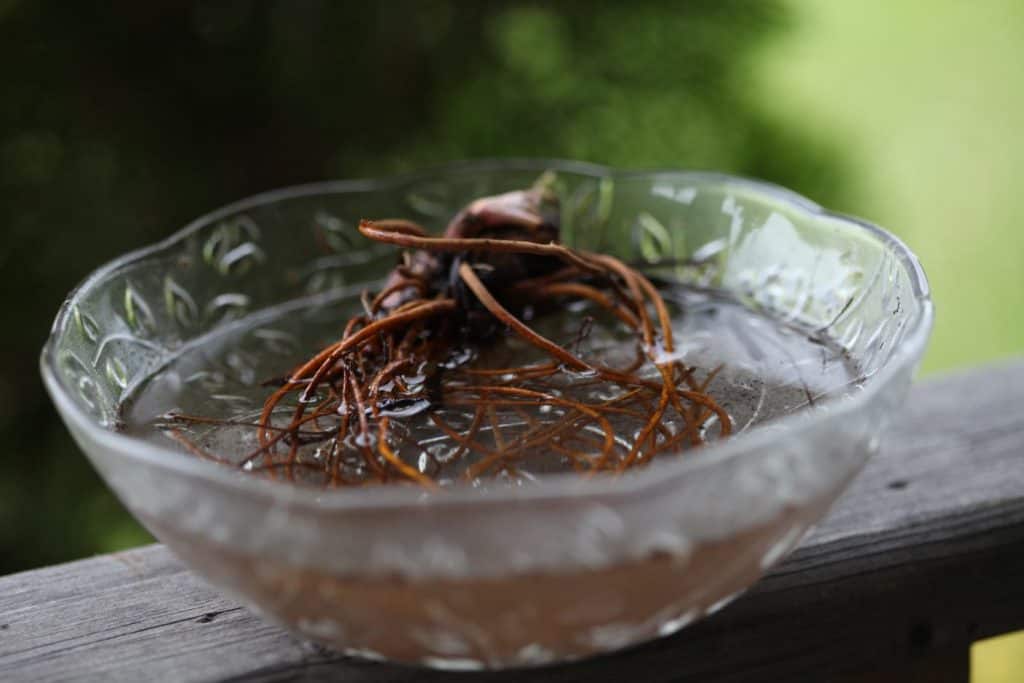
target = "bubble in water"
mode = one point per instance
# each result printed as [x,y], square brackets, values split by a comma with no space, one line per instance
[364,439]
[404,407]
[443,452]
[311,399]
[602,395]
[414,380]
[426,464]
[458,358]
[573,373]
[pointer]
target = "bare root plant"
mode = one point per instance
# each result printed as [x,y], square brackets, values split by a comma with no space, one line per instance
[498,263]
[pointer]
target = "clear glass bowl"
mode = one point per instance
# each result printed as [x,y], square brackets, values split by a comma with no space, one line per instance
[560,569]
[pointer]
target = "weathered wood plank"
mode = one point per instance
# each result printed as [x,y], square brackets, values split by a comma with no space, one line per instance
[921,556]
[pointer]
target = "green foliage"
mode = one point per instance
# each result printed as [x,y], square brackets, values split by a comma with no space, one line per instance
[123,120]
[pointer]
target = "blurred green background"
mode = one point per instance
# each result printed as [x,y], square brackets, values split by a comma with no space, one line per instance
[121,120]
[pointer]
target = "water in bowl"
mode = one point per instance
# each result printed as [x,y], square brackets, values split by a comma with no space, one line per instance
[760,368]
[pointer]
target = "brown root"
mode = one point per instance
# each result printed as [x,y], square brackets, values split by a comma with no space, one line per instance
[496,260]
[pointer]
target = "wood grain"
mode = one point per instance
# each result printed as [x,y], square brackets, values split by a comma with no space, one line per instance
[922,555]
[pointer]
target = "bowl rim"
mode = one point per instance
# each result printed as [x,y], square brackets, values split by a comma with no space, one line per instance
[550,487]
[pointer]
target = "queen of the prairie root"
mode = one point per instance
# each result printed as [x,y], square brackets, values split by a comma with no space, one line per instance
[498,266]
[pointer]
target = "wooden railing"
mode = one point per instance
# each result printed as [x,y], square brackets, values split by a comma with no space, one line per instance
[920,557]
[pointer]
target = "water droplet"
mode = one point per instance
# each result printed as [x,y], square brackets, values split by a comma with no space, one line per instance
[414,380]
[404,407]
[602,395]
[573,373]
[426,464]
[310,399]
[443,452]
[457,358]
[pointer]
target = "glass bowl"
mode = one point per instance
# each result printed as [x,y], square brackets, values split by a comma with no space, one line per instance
[565,567]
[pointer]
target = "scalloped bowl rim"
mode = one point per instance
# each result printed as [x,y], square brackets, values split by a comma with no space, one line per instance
[557,486]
